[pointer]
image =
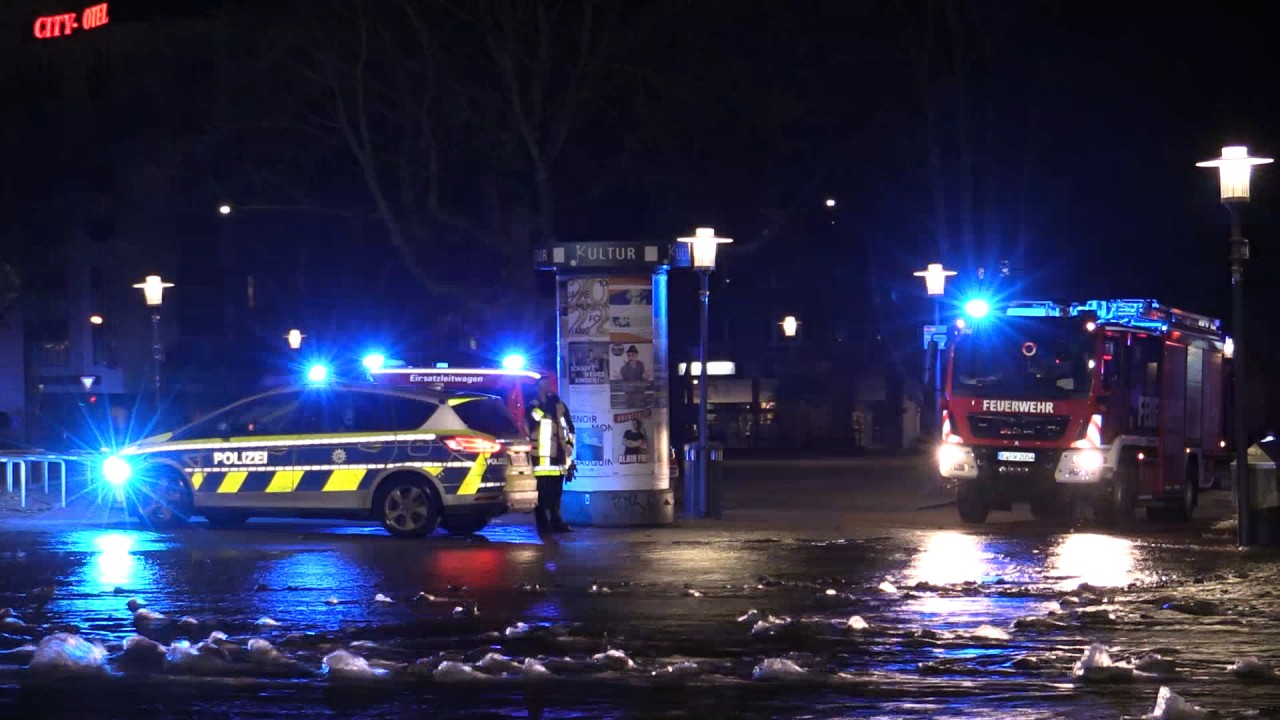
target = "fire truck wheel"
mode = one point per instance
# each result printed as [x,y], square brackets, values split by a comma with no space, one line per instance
[973,501]
[1178,510]
[1115,507]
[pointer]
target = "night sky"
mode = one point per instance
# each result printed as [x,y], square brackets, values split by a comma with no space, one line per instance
[1079,124]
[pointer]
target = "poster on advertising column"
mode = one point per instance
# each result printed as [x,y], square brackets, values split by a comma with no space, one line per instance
[632,438]
[585,311]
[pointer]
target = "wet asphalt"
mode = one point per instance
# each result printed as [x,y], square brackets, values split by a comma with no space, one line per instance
[751,616]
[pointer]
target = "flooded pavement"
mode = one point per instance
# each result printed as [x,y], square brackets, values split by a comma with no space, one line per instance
[318,620]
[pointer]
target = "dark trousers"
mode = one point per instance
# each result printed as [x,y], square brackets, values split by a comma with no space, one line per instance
[550,489]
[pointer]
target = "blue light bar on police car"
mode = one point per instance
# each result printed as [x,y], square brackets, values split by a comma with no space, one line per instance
[513,361]
[374,361]
[318,373]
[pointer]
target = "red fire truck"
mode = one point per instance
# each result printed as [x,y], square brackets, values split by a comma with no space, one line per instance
[1117,403]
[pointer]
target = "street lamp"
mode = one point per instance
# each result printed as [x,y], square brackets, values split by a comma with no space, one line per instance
[153,290]
[703,247]
[295,337]
[935,286]
[224,209]
[790,326]
[1234,168]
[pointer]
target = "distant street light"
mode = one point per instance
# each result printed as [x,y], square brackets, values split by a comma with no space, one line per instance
[830,202]
[1234,168]
[295,337]
[96,320]
[703,247]
[224,209]
[153,291]
[790,326]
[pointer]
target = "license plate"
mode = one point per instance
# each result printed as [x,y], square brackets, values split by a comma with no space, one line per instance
[519,459]
[1016,456]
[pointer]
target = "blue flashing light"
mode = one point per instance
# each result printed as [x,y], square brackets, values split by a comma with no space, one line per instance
[318,373]
[977,308]
[116,470]
[513,361]
[374,361]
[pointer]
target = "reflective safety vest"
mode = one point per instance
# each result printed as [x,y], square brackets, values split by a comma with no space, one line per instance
[546,441]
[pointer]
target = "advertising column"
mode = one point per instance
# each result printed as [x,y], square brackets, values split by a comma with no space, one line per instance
[613,376]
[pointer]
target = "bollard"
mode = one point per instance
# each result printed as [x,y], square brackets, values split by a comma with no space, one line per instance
[704,501]
[1263,495]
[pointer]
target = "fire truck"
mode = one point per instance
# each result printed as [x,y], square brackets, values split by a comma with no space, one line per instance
[1116,404]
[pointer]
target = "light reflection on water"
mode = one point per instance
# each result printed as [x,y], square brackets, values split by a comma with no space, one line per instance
[950,558]
[1101,560]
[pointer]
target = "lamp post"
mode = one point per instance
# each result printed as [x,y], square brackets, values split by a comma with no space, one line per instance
[703,246]
[790,326]
[295,338]
[1234,168]
[153,291]
[935,285]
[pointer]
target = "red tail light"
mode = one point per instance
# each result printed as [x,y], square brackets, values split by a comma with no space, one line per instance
[472,445]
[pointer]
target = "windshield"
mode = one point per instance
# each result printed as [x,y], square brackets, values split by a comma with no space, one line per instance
[1028,358]
[488,416]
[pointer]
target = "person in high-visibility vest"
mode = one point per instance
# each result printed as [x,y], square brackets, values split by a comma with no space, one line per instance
[553,438]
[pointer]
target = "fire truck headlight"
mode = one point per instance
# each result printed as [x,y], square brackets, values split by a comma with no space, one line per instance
[1089,460]
[116,470]
[950,455]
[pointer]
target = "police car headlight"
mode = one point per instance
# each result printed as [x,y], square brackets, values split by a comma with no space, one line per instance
[116,470]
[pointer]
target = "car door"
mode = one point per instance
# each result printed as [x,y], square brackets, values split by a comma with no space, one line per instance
[349,439]
[253,468]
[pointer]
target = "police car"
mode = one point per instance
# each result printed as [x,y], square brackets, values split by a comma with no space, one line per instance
[412,461]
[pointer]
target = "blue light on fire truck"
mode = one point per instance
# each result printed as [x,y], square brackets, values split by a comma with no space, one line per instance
[318,373]
[116,470]
[977,308]
[513,361]
[374,361]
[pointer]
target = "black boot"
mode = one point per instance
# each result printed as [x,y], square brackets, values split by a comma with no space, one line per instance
[542,520]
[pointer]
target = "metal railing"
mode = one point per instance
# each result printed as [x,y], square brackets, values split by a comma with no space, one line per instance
[26,463]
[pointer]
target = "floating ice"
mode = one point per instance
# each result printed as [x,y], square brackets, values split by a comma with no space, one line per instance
[682,669]
[518,630]
[263,652]
[343,665]
[142,652]
[692,593]
[769,626]
[752,616]
[990,632]
[778,669]
[451,671]
[380,598]
[498,663]
[67,653]
[534,669]
[203,659]
[1096,666]
[1251,668]
[887,587]
[146,616]
[855,622]
[1170,706]
[614,660]
[266,622]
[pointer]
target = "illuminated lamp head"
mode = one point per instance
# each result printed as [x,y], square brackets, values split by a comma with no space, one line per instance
[374,361]
[977,308]
[318,373]
[513,361]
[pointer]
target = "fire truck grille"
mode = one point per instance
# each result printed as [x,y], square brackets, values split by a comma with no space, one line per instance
[1018,427]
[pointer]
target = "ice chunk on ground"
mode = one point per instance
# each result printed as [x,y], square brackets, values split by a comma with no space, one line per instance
[380,598]
[769,626]
[856,622]
[1251,668]
[451,671]
[692,593]
[143,653]
[682,669]
[1170,706]
[1155,664]
[887,587]
[1096,666]
[497,663]
[599,590]
[752,616]
[990,632]
[343,665]
[534,669]
[266,622]
[263,652]
[67,653]
[614,660]
[778,669]
[203,659]
[518,630]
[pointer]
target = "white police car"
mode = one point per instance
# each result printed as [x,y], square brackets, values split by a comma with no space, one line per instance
[413,461]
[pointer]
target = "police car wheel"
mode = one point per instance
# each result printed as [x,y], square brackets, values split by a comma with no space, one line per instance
[408,508]
[165,502]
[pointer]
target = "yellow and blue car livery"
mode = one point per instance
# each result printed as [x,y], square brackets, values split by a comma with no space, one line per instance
[410,460]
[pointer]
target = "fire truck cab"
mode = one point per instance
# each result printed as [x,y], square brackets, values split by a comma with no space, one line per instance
[1116,403]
